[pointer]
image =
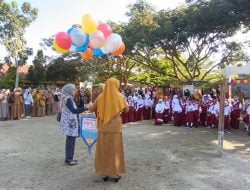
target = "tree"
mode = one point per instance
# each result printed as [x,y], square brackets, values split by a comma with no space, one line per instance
[13,22]
[187,37]
[37,72]
[62,70]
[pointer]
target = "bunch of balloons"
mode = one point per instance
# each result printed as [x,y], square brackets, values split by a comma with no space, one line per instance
[90,39]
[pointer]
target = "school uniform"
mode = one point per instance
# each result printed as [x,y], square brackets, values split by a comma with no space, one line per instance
[177,109]
[189,115]
[227,111]
[166,113]
[131,112]
[197,111]
[159,109]
[213,118]
[147,108]
[235,114]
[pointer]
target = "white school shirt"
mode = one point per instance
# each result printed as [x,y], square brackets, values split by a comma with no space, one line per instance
[148,102]
[176,105]
[167,104]
[190,108]
[159,108]
[214,109]
[227,110]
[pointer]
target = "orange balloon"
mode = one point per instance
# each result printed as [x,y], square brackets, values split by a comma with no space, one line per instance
[87,55]
[120,50]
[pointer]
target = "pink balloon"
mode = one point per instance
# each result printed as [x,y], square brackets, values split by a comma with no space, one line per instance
[105,28]
[97,39]
[63,40]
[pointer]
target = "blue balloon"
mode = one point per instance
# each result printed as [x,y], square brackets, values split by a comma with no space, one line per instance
[81,49]
[98,52]
[69,30]
[77,36]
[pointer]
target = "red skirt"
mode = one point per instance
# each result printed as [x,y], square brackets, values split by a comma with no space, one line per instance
[190,117]
[131,114]
[158,118]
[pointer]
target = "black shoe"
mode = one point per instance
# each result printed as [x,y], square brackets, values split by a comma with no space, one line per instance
[117,178]
[105,177]
[72,162]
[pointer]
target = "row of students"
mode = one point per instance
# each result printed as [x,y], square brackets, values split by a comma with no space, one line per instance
[183,112]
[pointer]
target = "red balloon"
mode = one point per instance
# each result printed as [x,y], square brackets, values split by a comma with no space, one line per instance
[105,28]
[120,50]
[63,40]
[88,54]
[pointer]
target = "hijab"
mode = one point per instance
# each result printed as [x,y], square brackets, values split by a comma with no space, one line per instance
[111,101]
[67,92]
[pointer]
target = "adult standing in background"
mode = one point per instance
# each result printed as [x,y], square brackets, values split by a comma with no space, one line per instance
[56,105]
[4,105]
[109,158]
[28,102]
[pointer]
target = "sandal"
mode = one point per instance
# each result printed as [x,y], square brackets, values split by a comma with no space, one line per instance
[105,177]
[117,178]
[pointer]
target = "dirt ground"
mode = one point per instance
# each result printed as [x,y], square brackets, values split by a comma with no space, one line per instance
[157,158]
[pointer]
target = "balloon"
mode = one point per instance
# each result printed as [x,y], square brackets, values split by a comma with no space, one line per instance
[82,48]
[105,28]
[87,55]
[63,40]
[120,50]
[113,42]
[78,38]
[98,52]
[96,39]
[89,24]
[57,48]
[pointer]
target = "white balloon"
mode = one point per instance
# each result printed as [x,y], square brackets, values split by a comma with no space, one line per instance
[78,38]
[97,39]
[113,42]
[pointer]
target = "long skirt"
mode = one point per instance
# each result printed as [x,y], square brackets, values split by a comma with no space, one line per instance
[177,119]
[139,114]
[190,117]
[226,123]
[166,116]
[109,158]
[203,117]
[196,118]
[4,111]
[56,107]
[158,119]
[146,113]
[131,114]
[124,117]
[235,122]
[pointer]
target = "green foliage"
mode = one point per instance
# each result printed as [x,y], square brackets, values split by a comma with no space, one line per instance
[187,37]
[61,70]
[37,73]
[13,22]
[8,80]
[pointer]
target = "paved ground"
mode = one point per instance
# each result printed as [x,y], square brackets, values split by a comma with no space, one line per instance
[158,158]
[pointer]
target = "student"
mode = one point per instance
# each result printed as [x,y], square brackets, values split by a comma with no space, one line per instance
[159,109]
[189,111]
[227,111]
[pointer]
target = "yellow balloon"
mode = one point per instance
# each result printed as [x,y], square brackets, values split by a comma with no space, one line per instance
[57,48]
[89,24]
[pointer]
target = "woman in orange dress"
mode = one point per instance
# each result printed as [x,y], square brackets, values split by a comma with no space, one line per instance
[109,158]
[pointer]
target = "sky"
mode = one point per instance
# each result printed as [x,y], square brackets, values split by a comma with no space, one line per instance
[59,15]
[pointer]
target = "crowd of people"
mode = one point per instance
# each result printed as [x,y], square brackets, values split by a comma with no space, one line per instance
[184,109]
[26,103]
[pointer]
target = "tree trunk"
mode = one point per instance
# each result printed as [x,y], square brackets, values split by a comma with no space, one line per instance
[17,73]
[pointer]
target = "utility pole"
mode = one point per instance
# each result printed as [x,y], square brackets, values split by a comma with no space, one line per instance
[221,117]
